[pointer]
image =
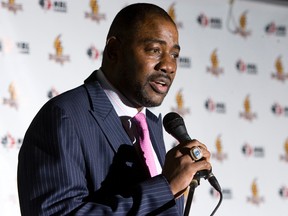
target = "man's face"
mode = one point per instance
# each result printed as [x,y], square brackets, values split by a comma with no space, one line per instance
[148,62]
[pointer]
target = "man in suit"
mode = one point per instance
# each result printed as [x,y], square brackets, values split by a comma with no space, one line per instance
[77,157]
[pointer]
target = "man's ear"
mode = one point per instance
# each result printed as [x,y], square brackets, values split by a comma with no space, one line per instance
[112,48]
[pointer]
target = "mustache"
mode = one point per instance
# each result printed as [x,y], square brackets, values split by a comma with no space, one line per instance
[161,77]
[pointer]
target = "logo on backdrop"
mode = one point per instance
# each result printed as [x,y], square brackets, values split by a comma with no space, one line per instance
[273,29]
[205,21]
[252,151]
[10,5]
[95,14]
[214,193]
[239,28]
[23,47]
[94,53]
[59,6]
[184,62]
[172,14]
[10,142]
[244,67]
[219,154]
[283,192]
[180,104]
[279,74]
[279,110]
[46,4]
[213,106]
[52,93]
[214,69]
[255,198]
[7,46]
[58,56]
[11,101]
[284,157]
[247,114]
[227,193]
[242,27]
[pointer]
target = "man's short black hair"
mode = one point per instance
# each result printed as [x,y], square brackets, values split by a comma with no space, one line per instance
[129,17]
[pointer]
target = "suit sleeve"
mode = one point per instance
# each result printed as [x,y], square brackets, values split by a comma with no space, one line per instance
[52,175]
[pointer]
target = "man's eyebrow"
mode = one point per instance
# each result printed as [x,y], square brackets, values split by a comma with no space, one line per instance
[177,46]
[152,40]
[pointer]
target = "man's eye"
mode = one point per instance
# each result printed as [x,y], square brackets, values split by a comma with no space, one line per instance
[154,50]
[175,55]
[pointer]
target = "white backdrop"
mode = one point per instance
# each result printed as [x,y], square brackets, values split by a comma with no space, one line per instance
[231,88]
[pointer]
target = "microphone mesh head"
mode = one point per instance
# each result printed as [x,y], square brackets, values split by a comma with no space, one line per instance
[171,121]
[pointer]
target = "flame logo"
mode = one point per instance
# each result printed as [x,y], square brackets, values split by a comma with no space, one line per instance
[12,101]
[180,104]
[284,157]
[286,146]
[12,91]
[214,59]
[279,74]
[279,66]
[243,21]
[59,57]
[214,69]
[254,190]
[94,6]
[247,106]
[218,144]
[255,199]
[171,12]
[58,46]
[179,99]
[95,12]
[240,27]
[219,154]
[247,114]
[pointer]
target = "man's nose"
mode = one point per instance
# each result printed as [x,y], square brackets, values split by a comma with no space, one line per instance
[167,64]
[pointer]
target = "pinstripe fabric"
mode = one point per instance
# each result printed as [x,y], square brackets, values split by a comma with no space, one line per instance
[76,159]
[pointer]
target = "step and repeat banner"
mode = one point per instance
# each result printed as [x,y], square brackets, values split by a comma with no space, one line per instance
[231,88]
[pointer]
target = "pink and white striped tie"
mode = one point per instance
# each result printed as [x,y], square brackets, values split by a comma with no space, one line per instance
[145,143]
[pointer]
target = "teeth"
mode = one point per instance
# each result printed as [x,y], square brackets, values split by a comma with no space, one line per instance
[161,83]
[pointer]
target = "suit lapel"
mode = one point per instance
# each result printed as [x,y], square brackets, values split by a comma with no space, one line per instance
[105,115]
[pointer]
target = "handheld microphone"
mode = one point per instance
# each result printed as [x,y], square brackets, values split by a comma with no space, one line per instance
[174,125]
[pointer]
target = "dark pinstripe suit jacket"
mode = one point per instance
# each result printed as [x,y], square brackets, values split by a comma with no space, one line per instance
[76,159]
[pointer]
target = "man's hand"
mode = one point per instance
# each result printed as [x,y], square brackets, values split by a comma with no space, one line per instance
[179,168]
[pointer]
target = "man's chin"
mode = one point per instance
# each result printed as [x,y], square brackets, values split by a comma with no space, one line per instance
[151,99]
[153,103]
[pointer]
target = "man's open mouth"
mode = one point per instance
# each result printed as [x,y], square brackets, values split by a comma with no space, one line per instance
[160,85]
